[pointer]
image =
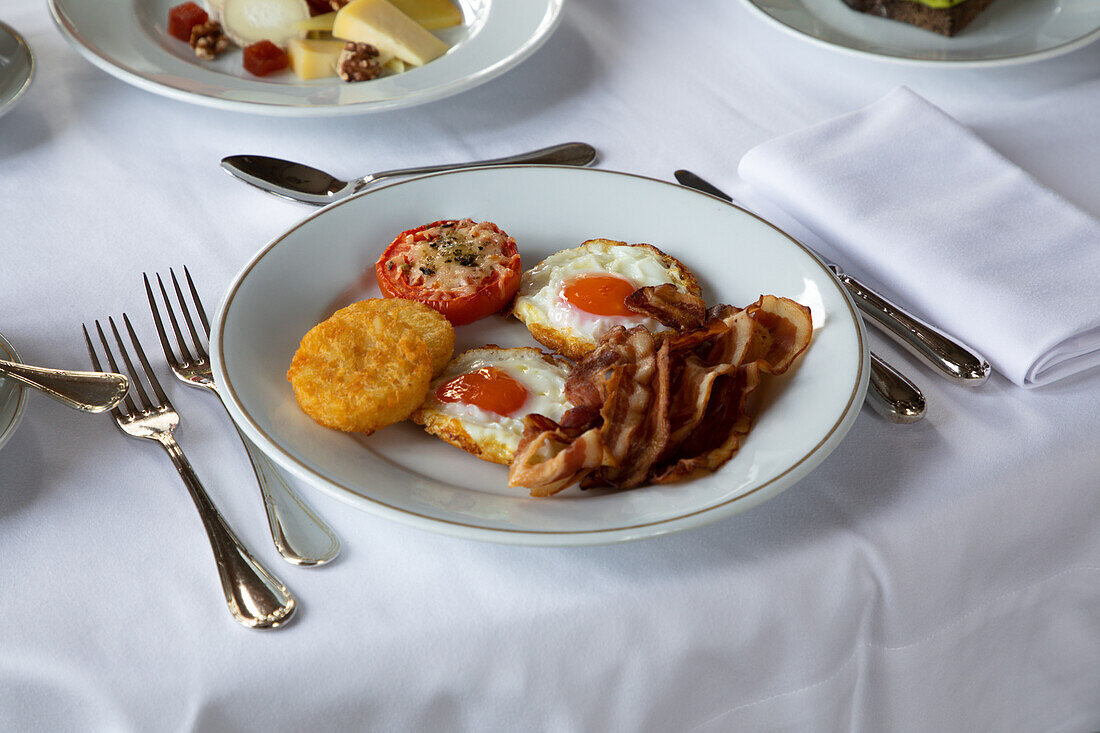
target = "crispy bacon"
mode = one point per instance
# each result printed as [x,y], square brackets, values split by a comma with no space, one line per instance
[572,456]
[658,412]
[636,419]
[672,307]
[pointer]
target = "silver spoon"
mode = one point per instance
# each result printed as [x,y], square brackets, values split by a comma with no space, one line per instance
[307,185]
[84,391]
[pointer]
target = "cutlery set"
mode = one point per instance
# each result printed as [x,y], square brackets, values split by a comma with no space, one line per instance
[254,595]
[141,409]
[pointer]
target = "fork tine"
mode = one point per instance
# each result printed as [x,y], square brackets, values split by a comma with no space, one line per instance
[146,403]
[198,302]
[130,406]
[169,354]
[153,381]
[184,351]
[91,350]
[200,351]
[95,363]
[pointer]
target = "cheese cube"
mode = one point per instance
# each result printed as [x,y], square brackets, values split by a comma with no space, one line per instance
[313,59]
[432,14]
[380,24]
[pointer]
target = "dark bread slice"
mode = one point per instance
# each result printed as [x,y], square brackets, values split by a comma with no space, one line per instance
[947,21]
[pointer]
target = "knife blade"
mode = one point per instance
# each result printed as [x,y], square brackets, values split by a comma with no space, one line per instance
[947,355]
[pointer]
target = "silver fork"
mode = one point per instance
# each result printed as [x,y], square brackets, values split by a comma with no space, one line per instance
[255,597]
[301,537]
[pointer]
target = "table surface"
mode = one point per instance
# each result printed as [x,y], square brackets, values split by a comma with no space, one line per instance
[938,576]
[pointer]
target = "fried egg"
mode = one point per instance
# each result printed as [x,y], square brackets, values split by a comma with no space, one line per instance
[479,402]
[575,296]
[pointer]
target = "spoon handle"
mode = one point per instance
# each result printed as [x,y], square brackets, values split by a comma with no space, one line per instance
[86,391]
[578,154]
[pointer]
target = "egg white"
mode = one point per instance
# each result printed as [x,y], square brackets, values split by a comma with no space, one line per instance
[562,326]
[484,433]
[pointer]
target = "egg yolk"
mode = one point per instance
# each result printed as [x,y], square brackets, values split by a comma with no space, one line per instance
[488,388]
[599,294]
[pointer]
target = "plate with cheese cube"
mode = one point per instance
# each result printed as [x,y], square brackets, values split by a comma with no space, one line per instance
[306,57]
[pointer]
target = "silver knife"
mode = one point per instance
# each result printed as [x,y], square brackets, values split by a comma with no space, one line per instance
[890,393]
[949,356]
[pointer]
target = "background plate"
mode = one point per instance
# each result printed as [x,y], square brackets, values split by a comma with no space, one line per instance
[404,474]
[128,39]
[13,397]
[16,67]
[1007,32]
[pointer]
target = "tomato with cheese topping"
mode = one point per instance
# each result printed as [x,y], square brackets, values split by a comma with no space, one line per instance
[464,269]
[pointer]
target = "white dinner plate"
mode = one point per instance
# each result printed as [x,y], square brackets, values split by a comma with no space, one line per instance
[1007,32]
[404,474]
[128,39]
[16,67]
[13,397]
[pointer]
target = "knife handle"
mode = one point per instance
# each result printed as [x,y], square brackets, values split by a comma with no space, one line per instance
[949,356]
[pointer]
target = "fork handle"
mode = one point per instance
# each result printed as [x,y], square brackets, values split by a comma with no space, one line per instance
[300,536]
[255,597]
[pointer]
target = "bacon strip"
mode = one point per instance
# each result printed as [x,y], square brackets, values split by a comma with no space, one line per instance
[649,413]
[672,307]
[575,456]
[641,432]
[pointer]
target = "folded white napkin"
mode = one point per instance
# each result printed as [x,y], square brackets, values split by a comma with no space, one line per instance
[953,229]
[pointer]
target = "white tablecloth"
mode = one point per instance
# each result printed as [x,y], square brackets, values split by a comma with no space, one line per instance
[939,576]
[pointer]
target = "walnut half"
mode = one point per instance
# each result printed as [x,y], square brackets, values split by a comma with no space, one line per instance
[208,39]
[358,62]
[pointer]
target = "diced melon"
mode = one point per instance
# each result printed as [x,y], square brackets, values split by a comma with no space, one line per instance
[380,24]
[312,59]
[321,22]
[432,14]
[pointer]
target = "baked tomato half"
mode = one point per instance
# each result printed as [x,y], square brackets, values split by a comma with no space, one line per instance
[464,269]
